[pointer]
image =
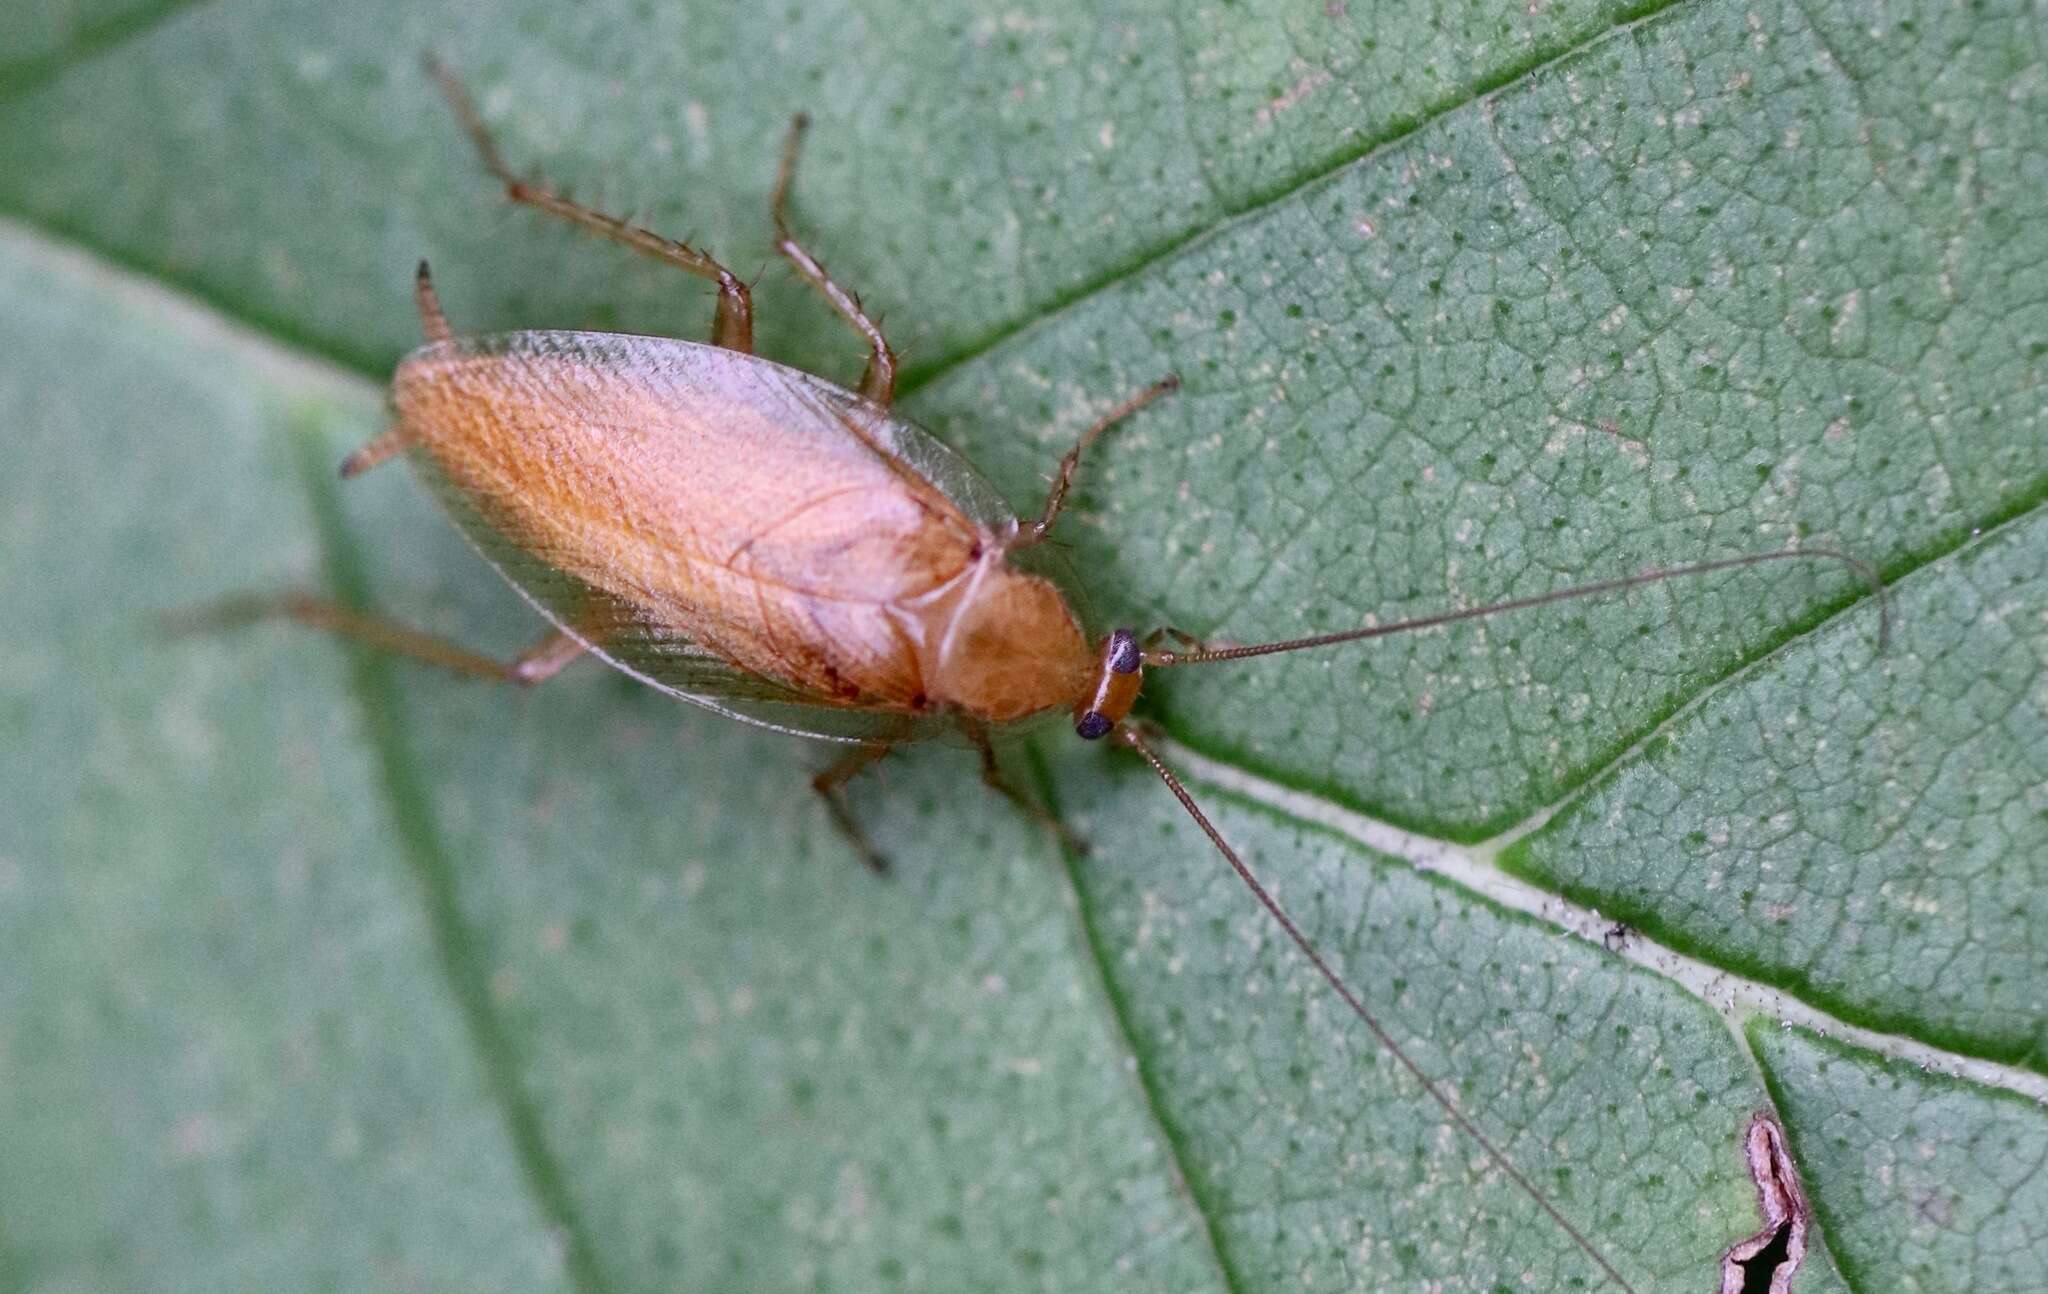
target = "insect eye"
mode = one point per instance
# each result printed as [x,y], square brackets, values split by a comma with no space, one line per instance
[1093,725]
[1123,653]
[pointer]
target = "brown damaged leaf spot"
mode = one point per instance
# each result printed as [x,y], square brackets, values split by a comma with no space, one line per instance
[1765,1263]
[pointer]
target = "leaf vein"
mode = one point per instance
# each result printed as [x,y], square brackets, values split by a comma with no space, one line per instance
[92,41]
[1369,146]
[414,823]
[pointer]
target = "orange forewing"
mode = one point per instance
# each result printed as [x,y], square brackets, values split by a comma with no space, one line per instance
[723,509]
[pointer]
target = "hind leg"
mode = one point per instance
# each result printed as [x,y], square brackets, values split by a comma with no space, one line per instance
[732,328]
[878,379]
[536,664]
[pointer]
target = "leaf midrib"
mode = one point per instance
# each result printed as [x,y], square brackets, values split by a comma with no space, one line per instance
[416,825]
[91,41]
[1115,1006]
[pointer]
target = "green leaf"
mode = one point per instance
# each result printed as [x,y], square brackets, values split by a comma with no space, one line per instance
[1868,828]
[1922,1182]
[328,973]
[230,1059]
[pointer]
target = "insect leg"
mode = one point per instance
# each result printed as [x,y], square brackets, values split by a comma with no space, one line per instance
[386,446]
[1056,498]
[733,327]
[536,664]
[829,784]
[1180,638]
[878,380]
[992,776]
[433,323]
[434,326]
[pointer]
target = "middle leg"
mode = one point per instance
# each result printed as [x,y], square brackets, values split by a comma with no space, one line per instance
[878,379]
[733,327]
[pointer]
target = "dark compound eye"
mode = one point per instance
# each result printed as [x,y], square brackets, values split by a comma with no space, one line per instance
[1123,652]
[1093,725]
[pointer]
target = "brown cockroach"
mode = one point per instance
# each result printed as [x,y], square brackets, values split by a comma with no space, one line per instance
[764,543]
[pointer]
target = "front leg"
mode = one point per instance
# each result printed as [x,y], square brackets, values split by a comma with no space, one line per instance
[1063,480]
[992,777]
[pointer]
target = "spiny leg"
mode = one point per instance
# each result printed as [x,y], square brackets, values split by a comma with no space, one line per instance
[1180,638]
[1056,498]
[733,327]
[878,380]
[829,784]
[992,776]
[536,664]
[434,326]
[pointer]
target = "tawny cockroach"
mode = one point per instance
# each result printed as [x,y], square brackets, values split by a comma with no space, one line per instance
[764,543]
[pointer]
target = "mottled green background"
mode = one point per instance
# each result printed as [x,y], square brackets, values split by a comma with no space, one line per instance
[318,972]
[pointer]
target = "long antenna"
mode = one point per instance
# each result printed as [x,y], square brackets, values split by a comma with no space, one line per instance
[1862,568]
[1129,736]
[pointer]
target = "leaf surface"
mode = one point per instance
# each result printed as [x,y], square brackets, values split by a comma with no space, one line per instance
[390,980]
